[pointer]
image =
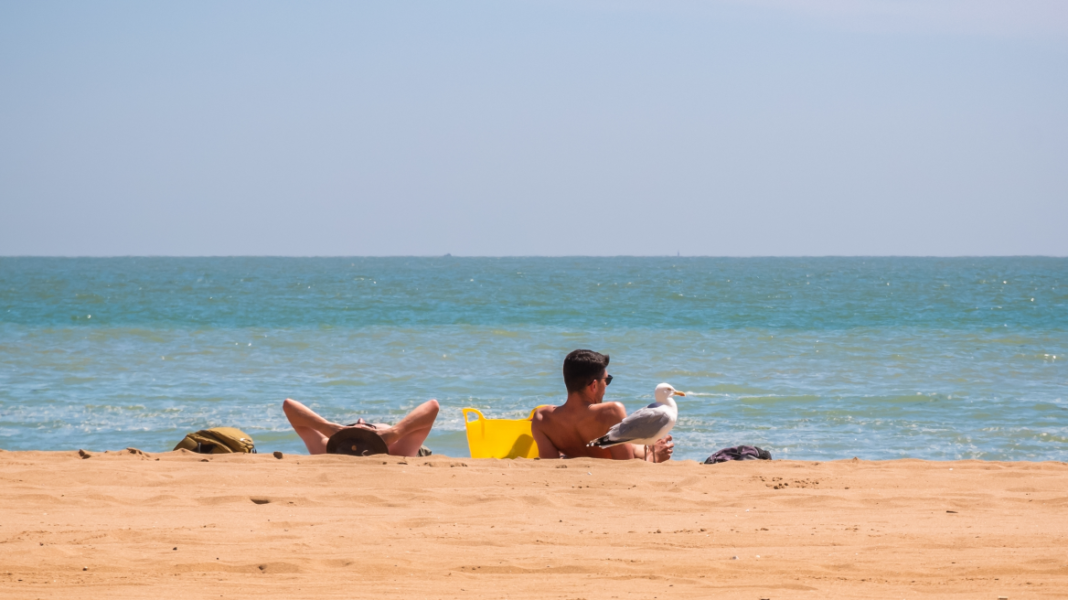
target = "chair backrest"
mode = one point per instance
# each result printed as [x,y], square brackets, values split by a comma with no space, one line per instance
[499,438]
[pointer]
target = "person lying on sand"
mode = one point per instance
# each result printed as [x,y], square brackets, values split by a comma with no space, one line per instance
[403,439]
[563,431]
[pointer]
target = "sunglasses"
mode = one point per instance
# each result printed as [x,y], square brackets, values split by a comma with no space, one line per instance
[607,379]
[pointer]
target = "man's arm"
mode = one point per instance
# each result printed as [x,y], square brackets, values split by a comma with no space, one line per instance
[622,452]
[546,449]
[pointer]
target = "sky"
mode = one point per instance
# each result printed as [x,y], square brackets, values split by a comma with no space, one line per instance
[504,128]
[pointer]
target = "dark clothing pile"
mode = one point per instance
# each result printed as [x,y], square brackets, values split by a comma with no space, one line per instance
[738,453]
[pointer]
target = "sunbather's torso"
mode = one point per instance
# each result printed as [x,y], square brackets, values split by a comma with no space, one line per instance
[570,428]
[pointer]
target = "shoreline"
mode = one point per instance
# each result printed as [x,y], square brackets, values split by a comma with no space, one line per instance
[442,527]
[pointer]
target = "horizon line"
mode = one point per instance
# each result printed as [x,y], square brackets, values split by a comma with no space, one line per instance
[502,256]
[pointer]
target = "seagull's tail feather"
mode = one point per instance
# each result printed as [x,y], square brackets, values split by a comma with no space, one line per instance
[604,442]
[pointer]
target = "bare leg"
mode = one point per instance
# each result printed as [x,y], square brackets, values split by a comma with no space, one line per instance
[403,439]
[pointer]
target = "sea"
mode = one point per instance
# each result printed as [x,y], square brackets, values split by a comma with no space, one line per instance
[809,358]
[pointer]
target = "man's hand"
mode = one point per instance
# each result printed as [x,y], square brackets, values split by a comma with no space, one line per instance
[663,449]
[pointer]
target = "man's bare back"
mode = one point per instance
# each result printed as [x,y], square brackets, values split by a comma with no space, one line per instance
[565,430]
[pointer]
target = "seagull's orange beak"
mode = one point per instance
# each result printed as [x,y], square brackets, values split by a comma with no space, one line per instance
[678,393]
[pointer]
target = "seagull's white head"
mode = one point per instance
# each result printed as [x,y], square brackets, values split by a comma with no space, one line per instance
[664,392]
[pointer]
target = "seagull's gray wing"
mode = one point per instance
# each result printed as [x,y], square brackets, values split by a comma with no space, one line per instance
[641,424]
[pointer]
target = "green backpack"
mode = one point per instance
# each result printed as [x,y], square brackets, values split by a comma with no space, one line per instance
[218,440]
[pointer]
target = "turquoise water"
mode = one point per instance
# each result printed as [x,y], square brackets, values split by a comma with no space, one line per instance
[817,358]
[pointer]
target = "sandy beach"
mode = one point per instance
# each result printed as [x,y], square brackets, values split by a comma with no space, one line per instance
[176,525]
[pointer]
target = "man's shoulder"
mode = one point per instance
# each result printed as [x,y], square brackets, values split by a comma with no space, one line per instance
[610,411]
[543,413]
[605,410]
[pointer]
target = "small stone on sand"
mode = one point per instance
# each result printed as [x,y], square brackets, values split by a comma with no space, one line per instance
[278,455]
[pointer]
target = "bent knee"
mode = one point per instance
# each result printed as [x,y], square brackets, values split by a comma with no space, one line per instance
[433,405]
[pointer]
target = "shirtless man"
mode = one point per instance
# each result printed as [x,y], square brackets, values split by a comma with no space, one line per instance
[563,431]
[403,439]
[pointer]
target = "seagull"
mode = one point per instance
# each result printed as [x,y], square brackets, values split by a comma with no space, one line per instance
[647,425]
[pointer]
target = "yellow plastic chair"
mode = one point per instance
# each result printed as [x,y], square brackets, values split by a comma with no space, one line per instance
[499,438]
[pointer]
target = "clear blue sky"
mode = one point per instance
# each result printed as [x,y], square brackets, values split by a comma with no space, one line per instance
[723,127]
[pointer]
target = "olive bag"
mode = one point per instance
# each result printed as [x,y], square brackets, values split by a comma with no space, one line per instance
[218,440]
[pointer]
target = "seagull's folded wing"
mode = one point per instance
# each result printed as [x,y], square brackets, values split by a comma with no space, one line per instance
[643,424]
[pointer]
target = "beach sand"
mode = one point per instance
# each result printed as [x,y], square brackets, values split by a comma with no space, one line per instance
[180,525]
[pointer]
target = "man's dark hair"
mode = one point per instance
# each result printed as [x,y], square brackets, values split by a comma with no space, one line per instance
[582,367]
